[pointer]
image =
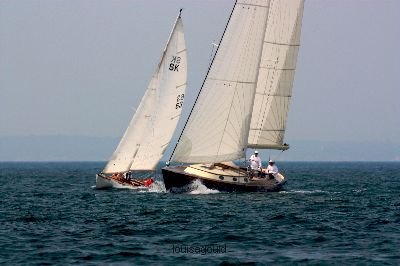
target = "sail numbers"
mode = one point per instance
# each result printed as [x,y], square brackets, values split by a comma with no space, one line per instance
[179,101]
[173,66]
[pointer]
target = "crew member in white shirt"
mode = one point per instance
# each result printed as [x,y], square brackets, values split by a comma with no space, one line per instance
[272,169]
[255,162]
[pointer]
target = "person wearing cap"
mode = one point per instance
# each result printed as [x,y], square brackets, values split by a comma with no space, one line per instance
[272,169]
[255,162]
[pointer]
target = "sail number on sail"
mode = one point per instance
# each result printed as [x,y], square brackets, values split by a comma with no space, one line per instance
[173,66]
[179,101]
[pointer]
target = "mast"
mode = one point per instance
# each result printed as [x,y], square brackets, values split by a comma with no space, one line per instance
[154,122]
[201,88]
[217,127]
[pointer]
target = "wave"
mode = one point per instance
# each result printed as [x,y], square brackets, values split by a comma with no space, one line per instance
[157,187]
[198,188]
[195,188]
[317,191]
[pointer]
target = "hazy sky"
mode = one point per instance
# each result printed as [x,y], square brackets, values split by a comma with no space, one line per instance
[81,67]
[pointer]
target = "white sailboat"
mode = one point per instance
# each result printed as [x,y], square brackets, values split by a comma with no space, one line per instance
[153,124]
[244,100]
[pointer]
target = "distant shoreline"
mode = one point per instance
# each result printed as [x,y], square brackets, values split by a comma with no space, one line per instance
[58,148]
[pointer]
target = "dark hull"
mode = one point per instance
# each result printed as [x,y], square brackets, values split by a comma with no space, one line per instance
[176,180]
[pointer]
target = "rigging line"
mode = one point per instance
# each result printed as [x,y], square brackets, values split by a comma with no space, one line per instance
[281,106]
[213,45]
[269,98]
[265,25]
[275,104]
[264,102]
[226,123]
[265,99]
[285,101]
[236,113]
[275,113]
[246,65]
[234,128]
[169,40]
[244,34]
[278,117]
[244,55]
[208,71]
[204,119]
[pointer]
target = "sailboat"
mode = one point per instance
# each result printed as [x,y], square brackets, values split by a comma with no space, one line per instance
[154,122]
[244,99]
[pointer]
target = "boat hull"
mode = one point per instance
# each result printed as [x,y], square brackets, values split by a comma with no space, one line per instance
[103,182]
[177,178]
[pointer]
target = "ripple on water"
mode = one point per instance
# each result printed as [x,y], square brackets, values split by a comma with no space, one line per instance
[51,215]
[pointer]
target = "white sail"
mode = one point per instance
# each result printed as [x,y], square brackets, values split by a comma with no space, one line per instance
[155,120]
[276,74]
[217,129]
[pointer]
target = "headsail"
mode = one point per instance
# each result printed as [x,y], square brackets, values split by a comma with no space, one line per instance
[276,74]
[217,129]
[155,120]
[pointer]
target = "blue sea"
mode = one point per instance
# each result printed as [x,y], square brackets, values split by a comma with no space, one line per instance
[329,213]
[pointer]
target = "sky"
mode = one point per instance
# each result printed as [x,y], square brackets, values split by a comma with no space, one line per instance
[80,68]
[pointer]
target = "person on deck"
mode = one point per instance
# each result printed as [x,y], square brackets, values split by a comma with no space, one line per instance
[272,169]
[255,162]
[128,175]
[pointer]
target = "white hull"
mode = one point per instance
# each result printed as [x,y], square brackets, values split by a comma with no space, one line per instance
[103,182]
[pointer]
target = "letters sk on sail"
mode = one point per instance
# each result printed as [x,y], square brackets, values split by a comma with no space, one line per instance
[154,122]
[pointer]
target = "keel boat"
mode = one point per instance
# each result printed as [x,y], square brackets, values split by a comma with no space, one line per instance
[153,124]
[244,100]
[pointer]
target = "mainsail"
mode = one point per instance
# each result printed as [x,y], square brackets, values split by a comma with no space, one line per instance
[154,122]
[217,129]
[276,74]
[245,97]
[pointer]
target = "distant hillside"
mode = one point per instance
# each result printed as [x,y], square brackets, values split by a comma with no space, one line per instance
[78,148]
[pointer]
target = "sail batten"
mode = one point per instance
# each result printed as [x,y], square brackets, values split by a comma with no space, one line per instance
[233,81]
[270,147]
[154,122]
[284,44]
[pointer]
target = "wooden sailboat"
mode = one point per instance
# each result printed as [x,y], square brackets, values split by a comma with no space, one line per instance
[244,100]
[153,124]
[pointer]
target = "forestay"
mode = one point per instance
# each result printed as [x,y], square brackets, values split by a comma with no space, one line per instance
[276,74]
[154,122]
[217,129]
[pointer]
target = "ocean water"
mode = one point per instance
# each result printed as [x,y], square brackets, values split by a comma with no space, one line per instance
[329,213]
